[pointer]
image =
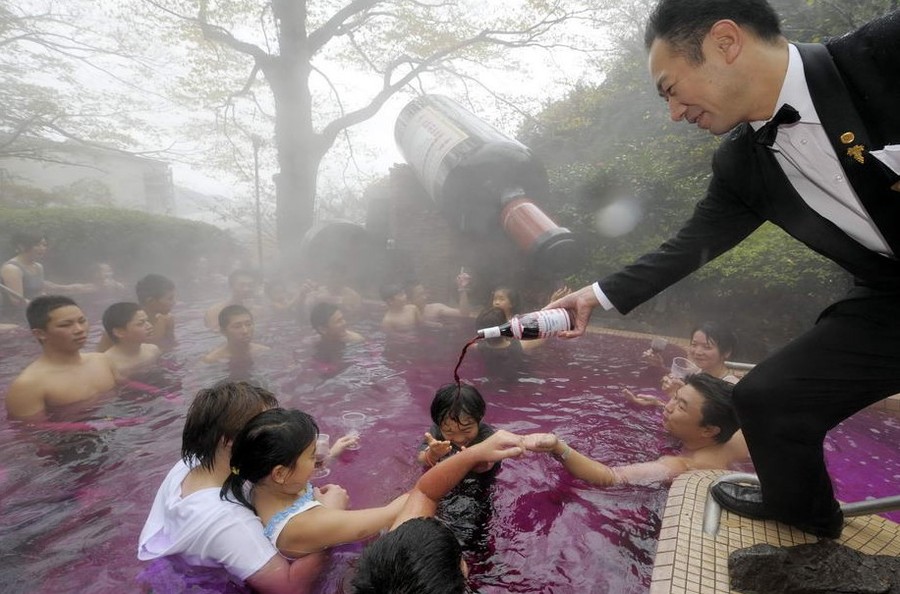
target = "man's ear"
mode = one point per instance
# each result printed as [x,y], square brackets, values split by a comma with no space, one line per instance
[118,332]
[39,334]
[710,430]
[727,39]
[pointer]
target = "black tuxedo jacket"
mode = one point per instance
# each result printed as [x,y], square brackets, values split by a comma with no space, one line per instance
[854,82]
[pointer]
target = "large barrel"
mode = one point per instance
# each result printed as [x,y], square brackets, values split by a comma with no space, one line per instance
[473,172]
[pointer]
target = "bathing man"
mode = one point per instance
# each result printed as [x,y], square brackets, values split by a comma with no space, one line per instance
[243,284]
[327,319]
[700,415]
[401,316]
[129,328]
[62,375]
[236,324]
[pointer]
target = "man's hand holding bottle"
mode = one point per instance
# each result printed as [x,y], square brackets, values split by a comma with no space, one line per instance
[582,302]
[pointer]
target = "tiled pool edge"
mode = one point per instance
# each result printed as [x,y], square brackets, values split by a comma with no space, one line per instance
[687,560]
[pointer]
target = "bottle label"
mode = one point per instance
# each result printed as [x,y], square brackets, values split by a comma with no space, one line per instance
[428,137]
[493,332]
[547,322]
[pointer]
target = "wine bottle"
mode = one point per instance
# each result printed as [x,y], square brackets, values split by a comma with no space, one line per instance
[482,180]
[531,326]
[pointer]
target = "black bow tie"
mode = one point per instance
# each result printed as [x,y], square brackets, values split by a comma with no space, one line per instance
[766,134]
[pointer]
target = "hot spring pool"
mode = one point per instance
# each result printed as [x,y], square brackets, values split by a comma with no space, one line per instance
[72,504]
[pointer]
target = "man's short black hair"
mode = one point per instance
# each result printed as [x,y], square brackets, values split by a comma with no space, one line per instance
[717,409]
[118,315]
[153,286]
[38,311]
[684,24]
[419,556]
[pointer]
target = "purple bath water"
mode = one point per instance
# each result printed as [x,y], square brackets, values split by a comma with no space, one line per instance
[72,504]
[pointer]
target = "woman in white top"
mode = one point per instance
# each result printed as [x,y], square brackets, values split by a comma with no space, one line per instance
[190,519]
[276,454]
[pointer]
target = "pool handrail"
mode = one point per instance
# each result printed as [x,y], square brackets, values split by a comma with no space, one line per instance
[712,511]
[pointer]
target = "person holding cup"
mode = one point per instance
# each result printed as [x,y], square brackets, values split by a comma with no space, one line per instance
[712,343]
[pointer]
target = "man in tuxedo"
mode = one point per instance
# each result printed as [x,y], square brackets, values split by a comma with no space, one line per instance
[813,140]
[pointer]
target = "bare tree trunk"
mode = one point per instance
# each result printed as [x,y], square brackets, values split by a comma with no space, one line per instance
[295,140]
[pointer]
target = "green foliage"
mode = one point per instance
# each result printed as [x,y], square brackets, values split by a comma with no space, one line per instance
[615,139]
[133,242]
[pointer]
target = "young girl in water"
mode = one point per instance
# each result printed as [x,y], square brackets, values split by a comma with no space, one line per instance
[276,454]
[456,412]
[507,300]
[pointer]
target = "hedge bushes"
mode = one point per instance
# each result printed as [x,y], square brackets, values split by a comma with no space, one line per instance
[133,242]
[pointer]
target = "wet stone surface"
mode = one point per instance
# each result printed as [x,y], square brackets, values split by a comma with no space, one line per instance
[821,568]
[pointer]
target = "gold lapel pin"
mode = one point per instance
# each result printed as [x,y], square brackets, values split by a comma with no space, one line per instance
[856,151]
[847,137]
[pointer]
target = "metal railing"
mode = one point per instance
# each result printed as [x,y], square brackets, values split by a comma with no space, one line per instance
[712,512]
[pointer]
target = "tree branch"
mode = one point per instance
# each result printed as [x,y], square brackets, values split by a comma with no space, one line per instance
[332,26]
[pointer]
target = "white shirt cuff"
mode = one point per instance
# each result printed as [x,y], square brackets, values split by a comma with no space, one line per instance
[601,297]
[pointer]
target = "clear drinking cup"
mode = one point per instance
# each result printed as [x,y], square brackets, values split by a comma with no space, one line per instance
[681,368]
[323,446]
[353,421]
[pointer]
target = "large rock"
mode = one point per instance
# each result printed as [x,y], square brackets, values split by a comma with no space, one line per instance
[821,568]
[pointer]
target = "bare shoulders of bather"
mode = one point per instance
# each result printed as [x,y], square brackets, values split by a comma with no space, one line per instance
[45,385]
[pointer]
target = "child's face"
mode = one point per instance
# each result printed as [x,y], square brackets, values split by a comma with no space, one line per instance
[501,300]
[137,330]
[461,433]
[302,470]
[162,305]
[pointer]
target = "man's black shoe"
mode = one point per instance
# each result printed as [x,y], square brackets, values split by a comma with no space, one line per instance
[744,500]
[747,501]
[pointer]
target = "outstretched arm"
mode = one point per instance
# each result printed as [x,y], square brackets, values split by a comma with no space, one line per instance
[438,481]
[580,466]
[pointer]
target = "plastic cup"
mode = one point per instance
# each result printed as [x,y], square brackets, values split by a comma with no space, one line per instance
[323,446]
[353,421]
[681,368]
[658,345]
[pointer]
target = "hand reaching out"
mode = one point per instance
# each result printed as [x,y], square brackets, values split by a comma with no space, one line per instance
[643,399]
[436,449]
[342,444]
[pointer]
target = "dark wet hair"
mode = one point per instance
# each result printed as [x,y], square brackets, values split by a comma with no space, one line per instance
[275,437]
[389,291]
[230,311]
[684,24]
[490,317]
[39,309]
[22,241]
[218,413]
[153,286]
[320,313]
[719,335]
[452,401]
[242,272]
[717,409]
[421,555]
[118,315]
